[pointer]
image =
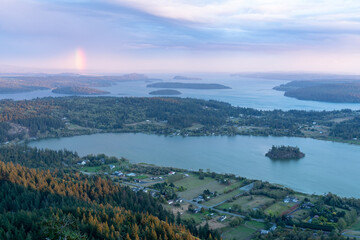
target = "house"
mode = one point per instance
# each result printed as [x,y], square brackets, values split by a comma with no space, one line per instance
[131,175]
[264,232]
[170,202]
[84,162]
[196,210]
[307,205]
[222,218]
[198,199]
[273,228]
[171,173]
[290,200]
[112,167]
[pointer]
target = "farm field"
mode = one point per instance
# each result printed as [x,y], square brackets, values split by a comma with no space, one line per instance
[248,203]
[195,186]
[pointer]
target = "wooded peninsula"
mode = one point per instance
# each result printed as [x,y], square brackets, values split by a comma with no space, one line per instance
[324,91]
[68,116]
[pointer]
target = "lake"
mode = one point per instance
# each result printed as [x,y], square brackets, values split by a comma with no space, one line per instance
[245,92]
[327,166]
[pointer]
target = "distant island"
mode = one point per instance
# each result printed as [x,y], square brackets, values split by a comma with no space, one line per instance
[165,92]
[284,153]
[323,91]
[187,85]
[19,89]
[79,91]
[186,78]
[33,82]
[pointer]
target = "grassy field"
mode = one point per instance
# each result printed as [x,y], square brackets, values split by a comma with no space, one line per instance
[248,203]
[198,217]
[244,231]
[301,214]
[356,226]
[233,186]
[257,225]
[278,208]
[91,169]
[222,197]
[194,186]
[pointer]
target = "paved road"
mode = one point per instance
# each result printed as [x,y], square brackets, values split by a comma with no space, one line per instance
[345,234]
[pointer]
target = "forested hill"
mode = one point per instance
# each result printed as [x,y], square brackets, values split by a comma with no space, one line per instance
[54,117]
[323,91]
[38,204]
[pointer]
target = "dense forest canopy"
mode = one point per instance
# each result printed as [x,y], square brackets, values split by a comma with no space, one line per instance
[99,209]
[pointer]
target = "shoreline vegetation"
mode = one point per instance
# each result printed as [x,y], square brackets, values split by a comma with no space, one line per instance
[284,153]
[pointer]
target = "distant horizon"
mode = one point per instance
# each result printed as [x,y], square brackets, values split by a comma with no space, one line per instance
[34,71]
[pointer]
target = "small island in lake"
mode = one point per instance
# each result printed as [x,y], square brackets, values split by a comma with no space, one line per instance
[284,153]
[79,91]
[187,85]
[165,92]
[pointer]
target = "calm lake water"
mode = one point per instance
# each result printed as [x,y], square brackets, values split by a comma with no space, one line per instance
[245,92]
[327,167]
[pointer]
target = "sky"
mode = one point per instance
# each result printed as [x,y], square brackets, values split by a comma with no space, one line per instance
[119,36]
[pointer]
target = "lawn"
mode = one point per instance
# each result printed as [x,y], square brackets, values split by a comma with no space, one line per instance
[356,226]
[198,217]
[233,186]
[248,203]
[301,214]
[222,197]
[194,186]
[91,169]
[278,208]
[257,225]
[240,232]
